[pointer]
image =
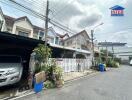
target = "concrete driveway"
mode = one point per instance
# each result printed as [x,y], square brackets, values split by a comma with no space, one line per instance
[115,84]
[7,91]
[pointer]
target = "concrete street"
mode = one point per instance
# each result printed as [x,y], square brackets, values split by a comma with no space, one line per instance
[115,84]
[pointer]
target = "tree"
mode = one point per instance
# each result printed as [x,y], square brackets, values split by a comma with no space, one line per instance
[41,55]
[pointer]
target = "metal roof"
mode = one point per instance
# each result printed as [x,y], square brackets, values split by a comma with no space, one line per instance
[68,48]
[19,40]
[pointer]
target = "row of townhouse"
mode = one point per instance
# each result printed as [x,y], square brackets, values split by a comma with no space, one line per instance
[75,46]
[23,26]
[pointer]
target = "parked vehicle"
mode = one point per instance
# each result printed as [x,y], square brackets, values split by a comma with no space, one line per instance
[131,62]
[10,70]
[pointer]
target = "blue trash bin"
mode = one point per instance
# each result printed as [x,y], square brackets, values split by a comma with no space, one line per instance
[38,86]
[101,67]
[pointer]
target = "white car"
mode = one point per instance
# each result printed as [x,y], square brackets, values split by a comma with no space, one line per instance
[131,62]
[10,70]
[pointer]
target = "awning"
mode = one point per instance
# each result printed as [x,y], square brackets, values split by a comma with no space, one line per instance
[68,48]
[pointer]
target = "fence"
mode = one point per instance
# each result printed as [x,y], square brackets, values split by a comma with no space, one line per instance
[72,65]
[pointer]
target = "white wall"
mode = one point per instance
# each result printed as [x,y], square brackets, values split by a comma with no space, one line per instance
[69,64]
[2,19]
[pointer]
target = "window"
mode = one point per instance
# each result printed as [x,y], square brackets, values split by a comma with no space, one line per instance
[41,35]
[51,40]
[57,40]
[23,33]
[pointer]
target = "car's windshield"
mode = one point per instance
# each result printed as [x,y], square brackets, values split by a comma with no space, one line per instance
[10,59]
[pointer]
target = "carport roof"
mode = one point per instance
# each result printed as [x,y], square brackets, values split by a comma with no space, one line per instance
[70,49]
[17,39]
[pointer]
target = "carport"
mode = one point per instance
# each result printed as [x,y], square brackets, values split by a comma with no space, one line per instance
[11,44]
[67,52]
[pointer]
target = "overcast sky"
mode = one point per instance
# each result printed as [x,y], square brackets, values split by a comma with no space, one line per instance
[83,14]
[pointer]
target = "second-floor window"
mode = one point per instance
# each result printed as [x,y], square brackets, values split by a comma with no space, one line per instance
[50,40]
[41,35]
[57,40]
[23,33]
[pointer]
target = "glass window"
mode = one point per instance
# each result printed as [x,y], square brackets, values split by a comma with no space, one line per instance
[57,40]
[23,33]
[51,40]
[41,35]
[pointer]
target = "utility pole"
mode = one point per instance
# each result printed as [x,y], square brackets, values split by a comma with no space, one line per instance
[112,52]
[46,22]
[92,37]
[106,51]
[46,25]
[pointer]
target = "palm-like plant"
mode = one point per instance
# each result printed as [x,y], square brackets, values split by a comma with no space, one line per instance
[42,54]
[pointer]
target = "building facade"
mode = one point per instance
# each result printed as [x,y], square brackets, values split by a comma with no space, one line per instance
[53,37]
[23,26]
[78,44]
[80,40]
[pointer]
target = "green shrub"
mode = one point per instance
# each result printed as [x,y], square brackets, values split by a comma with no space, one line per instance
[48,84]
[115,64]
[117,60]
[37,68]
[112,63]
[42,54]
[109,63]
[58,71]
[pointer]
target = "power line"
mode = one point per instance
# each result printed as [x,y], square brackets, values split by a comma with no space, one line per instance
[43,18]
[61,25]
[53,17]
[39,17]
[35,2]
[53,22]
[55,6]
[37,5]
[58,12]
[34,12]
[29,13]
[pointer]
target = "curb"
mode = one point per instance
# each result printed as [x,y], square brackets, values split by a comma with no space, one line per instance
[65,82]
